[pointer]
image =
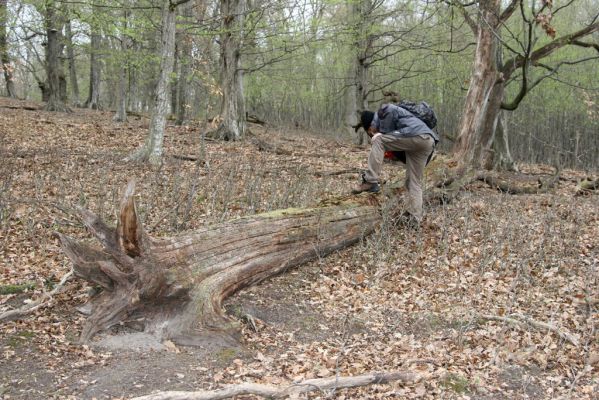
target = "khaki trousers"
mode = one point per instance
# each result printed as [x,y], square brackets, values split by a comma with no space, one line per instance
[417,149]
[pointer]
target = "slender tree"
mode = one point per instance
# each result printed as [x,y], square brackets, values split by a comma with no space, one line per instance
[185,60]
[121,109]
[93,97]
[72,65]
[152,149]
[7,68]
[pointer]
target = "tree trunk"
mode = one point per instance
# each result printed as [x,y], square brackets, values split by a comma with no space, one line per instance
[55,76]
[185,60]
[93,97]
[152,149]
[72,66]
[481,108]
[176,285]
[502,156]
[233,104]
[7,68]
[174,83]
[363,41]
[121,108]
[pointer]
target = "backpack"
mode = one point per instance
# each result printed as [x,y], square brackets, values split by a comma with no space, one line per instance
[422,111]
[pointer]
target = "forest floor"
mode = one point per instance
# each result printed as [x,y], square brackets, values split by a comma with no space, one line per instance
[401,299]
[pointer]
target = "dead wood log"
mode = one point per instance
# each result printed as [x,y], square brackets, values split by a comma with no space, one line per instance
[587,186]
[27,108]
[503,185]
[274,392]
[175,286]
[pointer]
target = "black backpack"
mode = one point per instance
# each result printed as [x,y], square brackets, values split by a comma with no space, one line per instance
[422,111]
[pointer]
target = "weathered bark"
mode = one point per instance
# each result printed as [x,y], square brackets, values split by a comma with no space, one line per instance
[472,136]
[6,66]
[177,284]
[56,82]
[93,97]
[152,149]
[233,123]
[72,65]
[357,100]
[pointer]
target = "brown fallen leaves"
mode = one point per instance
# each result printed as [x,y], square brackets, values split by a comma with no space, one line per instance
[400,300]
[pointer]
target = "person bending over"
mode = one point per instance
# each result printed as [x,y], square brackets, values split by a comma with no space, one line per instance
[396,129]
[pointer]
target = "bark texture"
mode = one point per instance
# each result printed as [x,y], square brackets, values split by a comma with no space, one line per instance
[56,86]
[176,285]
[358,92]
[472,137]
[233,125]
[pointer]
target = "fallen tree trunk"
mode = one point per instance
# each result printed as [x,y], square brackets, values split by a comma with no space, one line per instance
[175,286]
[290,391]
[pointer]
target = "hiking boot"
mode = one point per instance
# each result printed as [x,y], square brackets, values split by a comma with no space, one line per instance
[371,187]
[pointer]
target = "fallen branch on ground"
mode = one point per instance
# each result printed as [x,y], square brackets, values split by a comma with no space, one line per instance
[31,307]
[28,108]
[521,320]
[268,391]
[505,186]
[341,172]
[587,186]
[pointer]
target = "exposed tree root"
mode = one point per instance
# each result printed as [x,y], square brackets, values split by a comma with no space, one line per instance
[522,321]
[39,303]
[279,392]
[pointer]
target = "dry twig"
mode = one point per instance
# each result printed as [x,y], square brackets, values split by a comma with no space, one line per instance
[521,320]
[31,307]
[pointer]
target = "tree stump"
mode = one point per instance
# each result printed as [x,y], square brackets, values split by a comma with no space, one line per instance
[174,286]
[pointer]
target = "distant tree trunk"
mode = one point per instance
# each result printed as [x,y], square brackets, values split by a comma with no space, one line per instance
[93,97]
[56,87]
[233,104]
[174,83]
[4,58]
[502,156]
[121,109]
[72,66]
[175,286]
[185,60]
[152,149]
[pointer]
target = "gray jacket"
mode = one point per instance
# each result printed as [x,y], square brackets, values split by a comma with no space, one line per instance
[392,119]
